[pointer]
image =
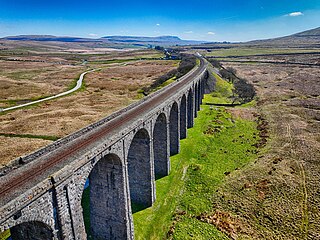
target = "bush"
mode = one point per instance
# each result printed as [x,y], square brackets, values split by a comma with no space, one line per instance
[186,64]
[243,91]
[231,70]
[215,63]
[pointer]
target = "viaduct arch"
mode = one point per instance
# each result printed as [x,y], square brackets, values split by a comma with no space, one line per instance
[121,155]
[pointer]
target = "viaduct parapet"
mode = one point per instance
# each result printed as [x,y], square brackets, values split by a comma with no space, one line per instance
[119,157]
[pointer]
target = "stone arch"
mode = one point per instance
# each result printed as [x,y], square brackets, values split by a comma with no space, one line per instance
[107,199]
[174,129]
[183,117]
[32,230]
[190,105]
[160,146]
[140,169]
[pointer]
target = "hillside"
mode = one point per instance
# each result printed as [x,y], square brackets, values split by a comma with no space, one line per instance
[108,40]
[162,40]
[309,37]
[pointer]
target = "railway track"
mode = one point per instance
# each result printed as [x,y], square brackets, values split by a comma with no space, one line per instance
[13,180]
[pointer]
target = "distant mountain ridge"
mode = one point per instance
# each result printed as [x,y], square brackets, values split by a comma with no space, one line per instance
[143,39]
[134,40]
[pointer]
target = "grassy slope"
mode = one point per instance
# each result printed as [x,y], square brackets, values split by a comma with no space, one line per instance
[206,155]
[222,93]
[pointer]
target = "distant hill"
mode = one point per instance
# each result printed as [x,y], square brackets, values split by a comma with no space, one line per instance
[309,33]
[119,40]
[161,41]
[309,37]
[143,39]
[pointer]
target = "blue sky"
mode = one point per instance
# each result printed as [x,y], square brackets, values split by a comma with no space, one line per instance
[211,20]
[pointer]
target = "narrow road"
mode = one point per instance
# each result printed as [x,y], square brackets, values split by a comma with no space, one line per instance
[79,84]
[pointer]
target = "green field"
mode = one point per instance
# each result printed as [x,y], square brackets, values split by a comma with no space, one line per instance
[197,171]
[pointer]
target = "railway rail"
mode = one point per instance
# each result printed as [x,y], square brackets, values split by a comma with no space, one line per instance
[17,179]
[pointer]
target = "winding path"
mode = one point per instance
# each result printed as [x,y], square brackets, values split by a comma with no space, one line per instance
[79,84]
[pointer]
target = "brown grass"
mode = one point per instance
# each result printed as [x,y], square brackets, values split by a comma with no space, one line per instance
[12,148]
[277,197]
[106,91]
[27,80]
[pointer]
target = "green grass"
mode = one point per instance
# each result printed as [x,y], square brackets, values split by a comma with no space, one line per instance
[199,230]
[74,84]
[222,93]
[51,138]
[197,171]
[85,202]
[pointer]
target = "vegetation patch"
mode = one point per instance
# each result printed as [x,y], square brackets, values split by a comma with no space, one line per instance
[223,92]
[217,145]
[51,138]
[239,91]
[187,63]
[85,202]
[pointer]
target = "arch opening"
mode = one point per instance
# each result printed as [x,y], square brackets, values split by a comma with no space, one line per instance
[104,200]
[183,117]
[196,97]
[174,129]
[199,95]
[140,171]
[201,91]
[160,147]
[33,230]
[190,115]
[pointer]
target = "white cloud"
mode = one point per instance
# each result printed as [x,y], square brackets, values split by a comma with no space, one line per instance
[92,34]
[295,14]
[158,24]
[211,33]
[188,32]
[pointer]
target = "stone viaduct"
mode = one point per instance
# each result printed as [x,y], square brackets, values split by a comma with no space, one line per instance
[40,194]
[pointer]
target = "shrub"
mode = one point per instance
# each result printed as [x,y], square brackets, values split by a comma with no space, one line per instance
[186,64]
[243,91]
[215,63]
